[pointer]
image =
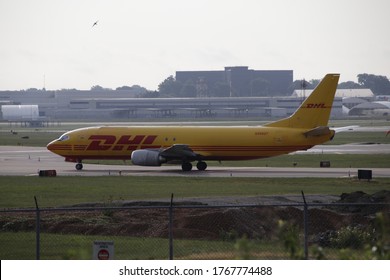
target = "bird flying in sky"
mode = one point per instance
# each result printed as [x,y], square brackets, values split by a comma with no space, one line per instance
[95,23]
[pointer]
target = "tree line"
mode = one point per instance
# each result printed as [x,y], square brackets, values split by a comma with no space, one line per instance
[170,87]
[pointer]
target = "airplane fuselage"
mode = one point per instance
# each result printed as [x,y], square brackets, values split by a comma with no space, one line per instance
[212,142]
[156,145]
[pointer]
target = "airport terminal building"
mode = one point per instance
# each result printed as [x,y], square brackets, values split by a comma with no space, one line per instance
[241,81]
[126,105]
[63,106]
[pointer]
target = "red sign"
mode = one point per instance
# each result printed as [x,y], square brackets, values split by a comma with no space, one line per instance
[103,250]
[103,254]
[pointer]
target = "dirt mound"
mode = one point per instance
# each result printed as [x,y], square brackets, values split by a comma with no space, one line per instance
[189,223]
[362,197]
[212,223]
[364,203]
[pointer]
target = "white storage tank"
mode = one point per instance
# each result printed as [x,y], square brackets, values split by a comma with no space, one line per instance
[20,112]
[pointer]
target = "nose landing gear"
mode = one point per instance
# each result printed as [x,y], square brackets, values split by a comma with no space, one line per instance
[79,166]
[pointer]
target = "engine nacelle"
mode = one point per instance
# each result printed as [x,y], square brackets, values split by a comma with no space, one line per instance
[147,158]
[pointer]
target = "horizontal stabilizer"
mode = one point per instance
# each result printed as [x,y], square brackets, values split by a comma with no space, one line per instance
[318,131]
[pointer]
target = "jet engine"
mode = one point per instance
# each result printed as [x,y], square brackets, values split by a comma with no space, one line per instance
[147,158]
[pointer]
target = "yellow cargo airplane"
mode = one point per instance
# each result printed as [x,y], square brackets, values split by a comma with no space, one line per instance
[155,145]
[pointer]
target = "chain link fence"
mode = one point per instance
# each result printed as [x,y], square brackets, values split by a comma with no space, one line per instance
[174,231]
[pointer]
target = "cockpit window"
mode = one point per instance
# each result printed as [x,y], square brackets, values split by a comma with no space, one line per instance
[63,137]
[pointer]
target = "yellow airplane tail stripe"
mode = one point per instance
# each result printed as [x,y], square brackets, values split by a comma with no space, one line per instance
[315,110]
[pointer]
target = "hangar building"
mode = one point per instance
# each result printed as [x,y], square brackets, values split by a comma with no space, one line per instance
[241,81]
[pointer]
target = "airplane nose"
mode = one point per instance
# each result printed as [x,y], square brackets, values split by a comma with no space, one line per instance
[50,146]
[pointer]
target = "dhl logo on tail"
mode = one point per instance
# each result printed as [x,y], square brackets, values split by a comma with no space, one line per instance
[316,106]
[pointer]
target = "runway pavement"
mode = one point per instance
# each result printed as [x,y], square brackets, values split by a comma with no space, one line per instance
[349,149]
[28,161]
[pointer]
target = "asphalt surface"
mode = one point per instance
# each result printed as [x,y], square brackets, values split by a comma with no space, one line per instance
[28,161]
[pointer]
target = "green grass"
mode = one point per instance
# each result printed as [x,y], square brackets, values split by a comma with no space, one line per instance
[19,192]
[361,121]
[313,160]
[21,245]
[29,137]
[359,137]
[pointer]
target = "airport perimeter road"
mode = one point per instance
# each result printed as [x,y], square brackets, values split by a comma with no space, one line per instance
[27,161]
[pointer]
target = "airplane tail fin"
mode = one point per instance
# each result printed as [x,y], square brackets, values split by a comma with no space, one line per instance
[315,110]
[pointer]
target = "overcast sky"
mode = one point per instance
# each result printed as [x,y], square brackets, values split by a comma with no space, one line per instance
[145,41]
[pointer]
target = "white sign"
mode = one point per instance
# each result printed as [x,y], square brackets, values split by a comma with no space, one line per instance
[103,250]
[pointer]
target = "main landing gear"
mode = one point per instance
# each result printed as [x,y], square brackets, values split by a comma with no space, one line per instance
[187,166]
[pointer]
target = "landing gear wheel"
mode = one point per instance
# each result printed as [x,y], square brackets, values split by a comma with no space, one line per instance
[201,165]
[186,166]
[79,166]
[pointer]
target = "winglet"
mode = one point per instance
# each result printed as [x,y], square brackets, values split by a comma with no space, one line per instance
[315,110]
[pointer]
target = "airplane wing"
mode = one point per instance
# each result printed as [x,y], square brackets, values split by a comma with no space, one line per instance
[178,151]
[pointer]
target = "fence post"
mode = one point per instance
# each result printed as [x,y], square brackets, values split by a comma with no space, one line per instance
[305,226]
[170,229]
[38,230]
